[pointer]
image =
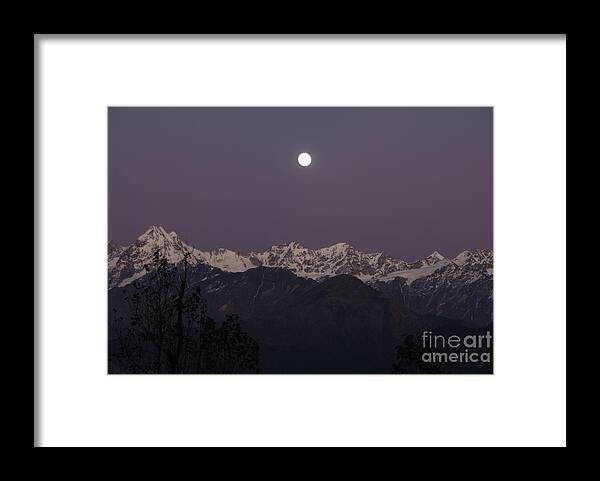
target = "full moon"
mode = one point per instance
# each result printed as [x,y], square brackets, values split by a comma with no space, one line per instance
[304,159]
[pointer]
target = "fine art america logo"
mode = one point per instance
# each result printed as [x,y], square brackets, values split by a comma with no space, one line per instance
[438,348]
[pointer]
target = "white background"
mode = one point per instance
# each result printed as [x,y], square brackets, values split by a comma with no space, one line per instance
[522,404]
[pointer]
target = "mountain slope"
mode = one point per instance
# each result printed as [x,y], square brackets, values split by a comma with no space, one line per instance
[340,325]
[459,288]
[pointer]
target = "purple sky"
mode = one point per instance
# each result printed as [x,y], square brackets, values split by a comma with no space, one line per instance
[405,181]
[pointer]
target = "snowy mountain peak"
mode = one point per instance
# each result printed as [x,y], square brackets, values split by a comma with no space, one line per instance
[436,255]
[153,232]
[127,263]
[286,247]
[462,258]
[157,238]
[294,246]
[481,257]
[156,233]
[432,259]
[341,247]
[228,260]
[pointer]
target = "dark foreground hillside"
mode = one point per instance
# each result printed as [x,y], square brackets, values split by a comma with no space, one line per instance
[301,326]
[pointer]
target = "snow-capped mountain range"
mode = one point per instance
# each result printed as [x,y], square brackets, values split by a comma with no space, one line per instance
[126,263]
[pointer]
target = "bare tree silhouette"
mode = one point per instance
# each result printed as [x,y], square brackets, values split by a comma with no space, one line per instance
[168,330]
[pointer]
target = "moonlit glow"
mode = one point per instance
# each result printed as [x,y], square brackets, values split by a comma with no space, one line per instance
[304,159]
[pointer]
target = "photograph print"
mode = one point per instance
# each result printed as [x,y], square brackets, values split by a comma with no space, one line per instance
[300,240]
